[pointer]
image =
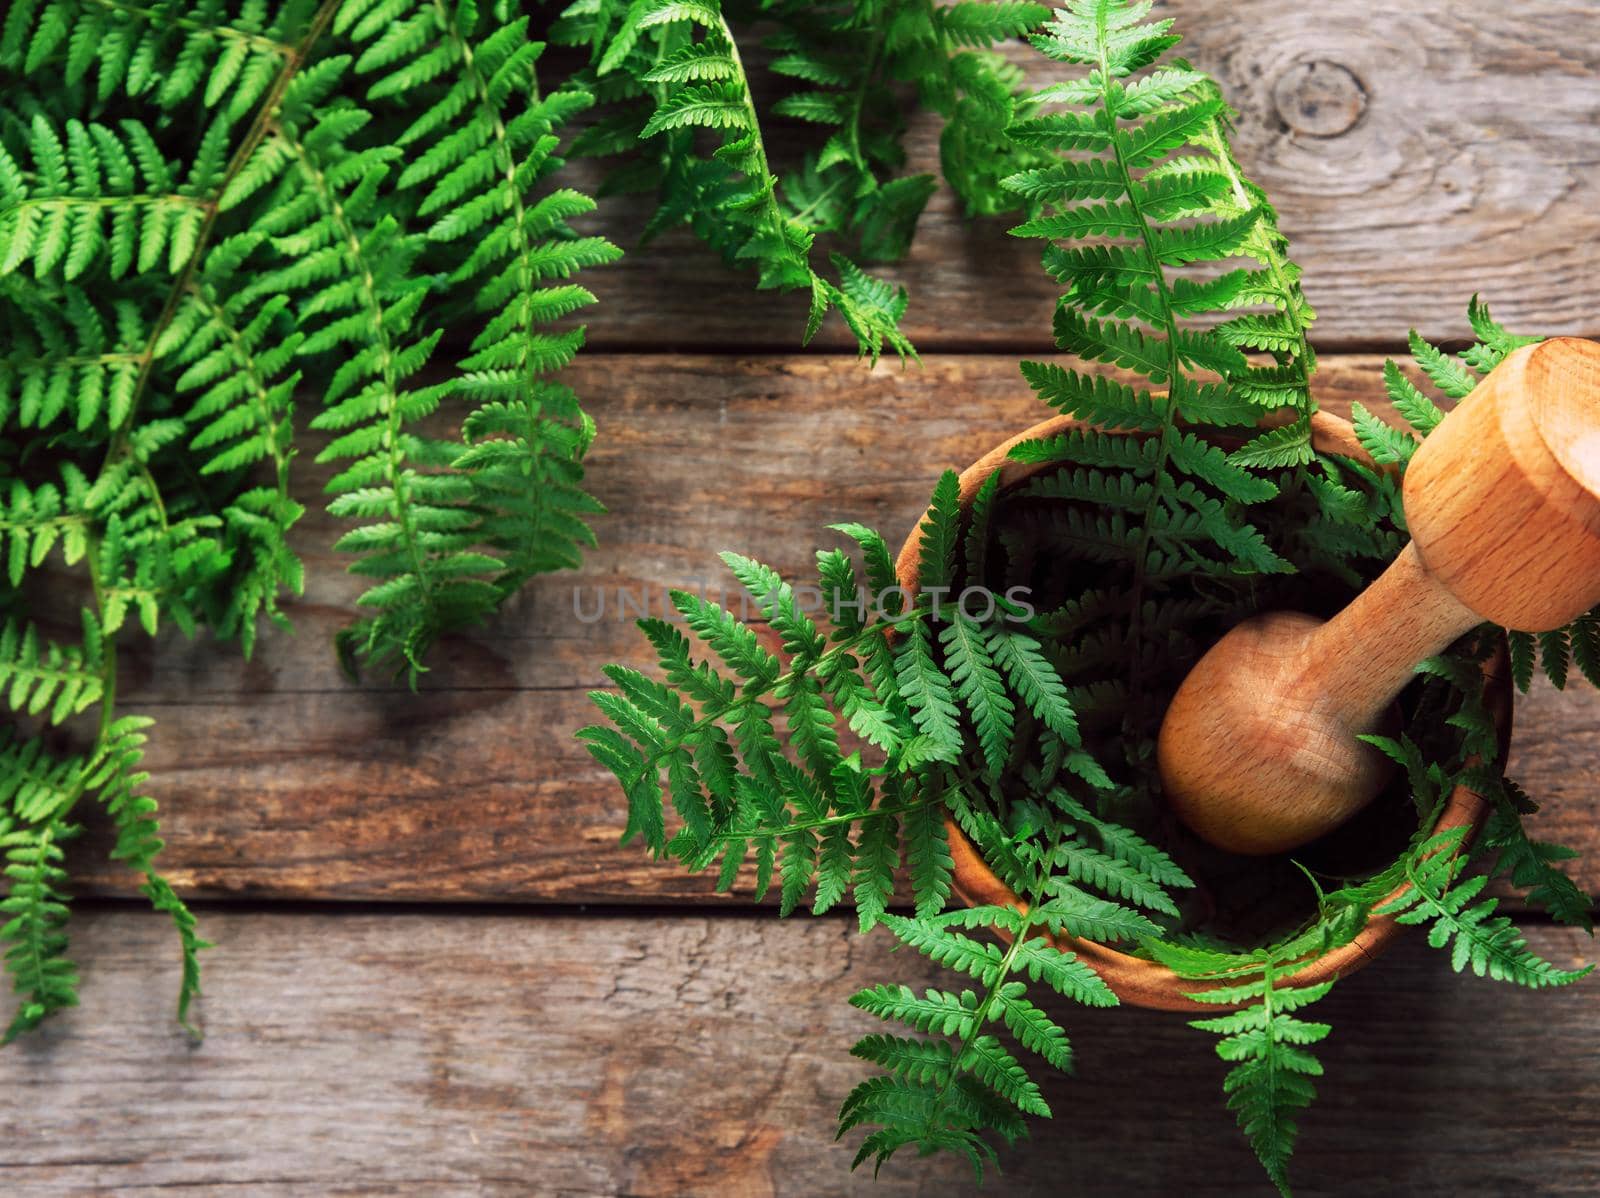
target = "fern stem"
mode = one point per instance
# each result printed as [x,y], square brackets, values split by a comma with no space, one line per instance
[801,215]
[112,359]
[659,93]
[156,500]
[980,1016]
[395,468]
[861,96]
[294,60]
[259,390]
[44,203]
[1174,372]
[832,821]
[758,147]
[57,522]
[108,645]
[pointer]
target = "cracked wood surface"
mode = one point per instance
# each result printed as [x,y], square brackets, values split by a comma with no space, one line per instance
[278,778]
[614,1054]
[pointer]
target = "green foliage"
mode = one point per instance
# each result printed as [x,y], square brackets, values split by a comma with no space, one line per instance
[1429,884]
[206,212]
[1532,865]
[674,68]
[940,1091]
[944,1090]
[1460,920]
[851,62]
[1151,185]
[937,694]
[905,682]
[295,251]
[36,909]
[1273,1068]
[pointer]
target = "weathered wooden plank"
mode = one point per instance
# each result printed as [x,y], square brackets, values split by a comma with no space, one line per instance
[279,778]
[610,1055]
[1416,154]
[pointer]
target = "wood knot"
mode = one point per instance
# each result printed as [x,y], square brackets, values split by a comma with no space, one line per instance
[1319,98]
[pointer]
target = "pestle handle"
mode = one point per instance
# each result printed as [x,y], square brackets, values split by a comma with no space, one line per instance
[1258,751]
[1357,662]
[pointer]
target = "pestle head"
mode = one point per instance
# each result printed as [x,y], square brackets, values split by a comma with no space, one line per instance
[1251,759]
[1503,498]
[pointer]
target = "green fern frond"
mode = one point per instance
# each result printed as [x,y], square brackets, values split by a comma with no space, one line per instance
[237,362]
[687,74]
[447,530]
[1082,915]
[1387,445]
[164,53]
[1534,865]
[71,361]
[35,907]
[222,203]
[1089,866]
[1465,923]
[982,692]
[950,949]
[118,781]
[1272,1075]
[50,678]
[852,185]
[942,1093]
[1273,1071]
[527,436]
[1161,189]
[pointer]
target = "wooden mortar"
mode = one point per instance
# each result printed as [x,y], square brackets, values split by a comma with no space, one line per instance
[1135,980]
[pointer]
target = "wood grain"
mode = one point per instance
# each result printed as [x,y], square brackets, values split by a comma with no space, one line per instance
[1416,154]
[280,779]
[609,1055]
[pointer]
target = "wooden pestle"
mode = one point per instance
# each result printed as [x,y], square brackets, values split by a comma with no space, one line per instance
[1258,751]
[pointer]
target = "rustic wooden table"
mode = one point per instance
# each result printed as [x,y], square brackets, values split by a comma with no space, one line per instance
[436,972]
